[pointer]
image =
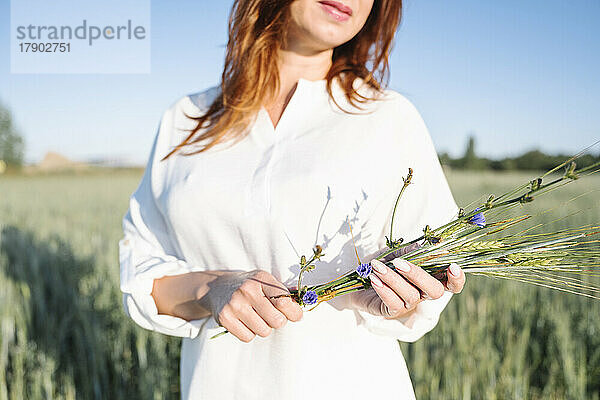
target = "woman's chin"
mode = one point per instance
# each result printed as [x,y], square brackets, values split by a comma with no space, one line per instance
[331,36]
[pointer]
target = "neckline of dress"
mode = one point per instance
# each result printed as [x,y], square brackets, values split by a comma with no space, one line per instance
[304,89]
[307,92]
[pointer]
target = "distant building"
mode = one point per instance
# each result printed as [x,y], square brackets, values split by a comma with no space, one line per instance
[113,162]
[54,161]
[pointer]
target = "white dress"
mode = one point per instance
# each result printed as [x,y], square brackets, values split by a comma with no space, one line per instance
[264,202]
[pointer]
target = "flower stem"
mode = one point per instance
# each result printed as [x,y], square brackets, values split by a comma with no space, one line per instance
[406,183]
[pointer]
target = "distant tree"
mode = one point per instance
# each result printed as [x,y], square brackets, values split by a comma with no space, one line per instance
[445,159]
[587,159]
[530,160]
[536,160]
[470,159]
[11,143]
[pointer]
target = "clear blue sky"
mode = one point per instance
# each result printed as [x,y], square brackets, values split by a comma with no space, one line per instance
[518,74]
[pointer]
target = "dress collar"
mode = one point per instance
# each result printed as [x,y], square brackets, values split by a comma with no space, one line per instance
[309,100]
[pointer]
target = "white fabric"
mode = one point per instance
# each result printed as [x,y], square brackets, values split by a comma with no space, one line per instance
[262,203]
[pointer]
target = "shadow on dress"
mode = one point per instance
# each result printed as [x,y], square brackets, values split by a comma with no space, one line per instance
[346,259]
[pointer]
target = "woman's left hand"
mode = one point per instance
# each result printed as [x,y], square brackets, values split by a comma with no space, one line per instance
[395,295]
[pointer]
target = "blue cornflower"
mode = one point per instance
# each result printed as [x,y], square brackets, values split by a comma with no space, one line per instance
[310,297]
[364,270]
[477,219]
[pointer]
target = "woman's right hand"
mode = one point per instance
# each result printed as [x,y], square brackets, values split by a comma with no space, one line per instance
[242,303]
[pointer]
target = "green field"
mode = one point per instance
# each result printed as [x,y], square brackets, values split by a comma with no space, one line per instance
[63,333]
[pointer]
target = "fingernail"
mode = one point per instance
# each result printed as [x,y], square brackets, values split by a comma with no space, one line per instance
[401,264]
[454,269]
[375,280]
[378,266]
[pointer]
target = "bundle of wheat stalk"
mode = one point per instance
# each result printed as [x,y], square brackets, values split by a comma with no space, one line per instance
[476,240]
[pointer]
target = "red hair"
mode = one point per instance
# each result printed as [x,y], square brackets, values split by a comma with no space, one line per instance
[256,32]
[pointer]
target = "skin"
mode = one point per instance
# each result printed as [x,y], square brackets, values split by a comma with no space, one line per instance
[396,295]
[239,300]
[311,38]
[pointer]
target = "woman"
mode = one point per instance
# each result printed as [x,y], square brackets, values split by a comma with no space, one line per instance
[299,144]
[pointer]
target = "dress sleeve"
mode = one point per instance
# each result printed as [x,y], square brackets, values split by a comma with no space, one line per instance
[427,201]
[146,250]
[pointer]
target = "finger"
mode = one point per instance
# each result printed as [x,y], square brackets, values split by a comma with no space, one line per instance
[456,278]
[269,285]
[288,307]
[267,311]
[234,325]
[420,278]
[391,304]
[254,322]
[405,290]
